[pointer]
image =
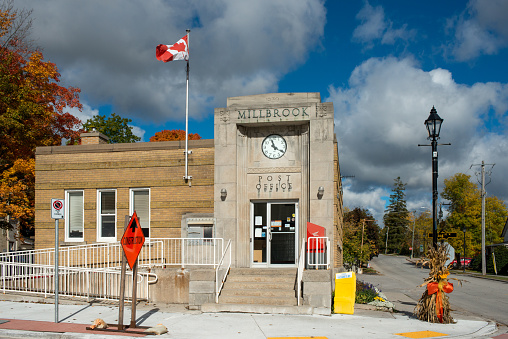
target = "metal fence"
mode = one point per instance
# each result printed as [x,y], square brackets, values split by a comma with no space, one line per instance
[93,271]
[318,252]
[100,283]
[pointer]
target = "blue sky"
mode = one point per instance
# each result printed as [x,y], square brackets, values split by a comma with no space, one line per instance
[383,64]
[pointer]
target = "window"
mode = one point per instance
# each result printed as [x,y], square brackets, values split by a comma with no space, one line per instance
[200,231]
[106,215]
[74,216]
[140,202]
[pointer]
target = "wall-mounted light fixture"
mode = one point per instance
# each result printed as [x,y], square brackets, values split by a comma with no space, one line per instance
[320,192]
[223,194]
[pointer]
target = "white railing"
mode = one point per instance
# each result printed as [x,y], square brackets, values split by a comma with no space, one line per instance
[92,271]
[187,252]
[222,270]
[99,283]
[318,252]
[155,252]
[299,274]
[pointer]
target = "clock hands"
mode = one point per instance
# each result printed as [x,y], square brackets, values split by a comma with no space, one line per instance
[275,147]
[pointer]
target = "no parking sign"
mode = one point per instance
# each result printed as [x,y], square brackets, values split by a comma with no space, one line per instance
[57,208]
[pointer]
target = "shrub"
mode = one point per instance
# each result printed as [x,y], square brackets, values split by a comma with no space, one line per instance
[501,253]
[365,292]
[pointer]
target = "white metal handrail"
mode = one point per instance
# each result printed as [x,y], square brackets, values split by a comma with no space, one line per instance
[222,270]
[99,283]
[156,252]
[90,270]
[318,252]
[299,274]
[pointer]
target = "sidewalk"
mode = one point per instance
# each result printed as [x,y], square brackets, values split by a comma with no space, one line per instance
[27,320]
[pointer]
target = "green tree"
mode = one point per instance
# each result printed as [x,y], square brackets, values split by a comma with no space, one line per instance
[423,226]
[396,220]
[357,222]
[465,213]
[116,128]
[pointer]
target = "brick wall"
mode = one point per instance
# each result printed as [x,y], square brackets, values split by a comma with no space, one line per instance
[159,166]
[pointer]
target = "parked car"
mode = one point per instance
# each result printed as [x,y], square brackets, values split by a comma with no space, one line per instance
[463,261]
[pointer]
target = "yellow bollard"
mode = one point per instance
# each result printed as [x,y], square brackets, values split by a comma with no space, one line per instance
[345,292]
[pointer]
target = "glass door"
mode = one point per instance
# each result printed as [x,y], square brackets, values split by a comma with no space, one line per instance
[274,233]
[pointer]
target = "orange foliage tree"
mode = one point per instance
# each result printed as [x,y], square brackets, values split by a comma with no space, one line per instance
[32,112]
[174,134]
[17,193]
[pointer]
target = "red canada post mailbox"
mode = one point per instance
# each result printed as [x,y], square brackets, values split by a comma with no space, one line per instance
[133,240]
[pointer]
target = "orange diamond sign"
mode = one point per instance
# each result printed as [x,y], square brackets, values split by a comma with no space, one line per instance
[132,240]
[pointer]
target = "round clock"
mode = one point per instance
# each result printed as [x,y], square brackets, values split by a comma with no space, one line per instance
[274,146]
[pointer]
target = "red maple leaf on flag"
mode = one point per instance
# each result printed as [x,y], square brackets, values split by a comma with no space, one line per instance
[180,47]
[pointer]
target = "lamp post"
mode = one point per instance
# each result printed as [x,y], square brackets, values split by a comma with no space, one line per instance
[433,125]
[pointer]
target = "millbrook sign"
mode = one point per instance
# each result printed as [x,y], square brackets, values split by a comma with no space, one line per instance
[272,113]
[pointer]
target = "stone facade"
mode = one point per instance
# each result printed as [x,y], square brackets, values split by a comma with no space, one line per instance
[309,165]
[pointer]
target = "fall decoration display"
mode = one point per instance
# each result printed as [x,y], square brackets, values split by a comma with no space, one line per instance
[434,306]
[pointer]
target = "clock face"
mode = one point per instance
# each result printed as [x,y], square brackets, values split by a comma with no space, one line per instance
[274,146]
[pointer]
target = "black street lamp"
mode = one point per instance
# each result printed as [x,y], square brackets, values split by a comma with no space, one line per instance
[433,125]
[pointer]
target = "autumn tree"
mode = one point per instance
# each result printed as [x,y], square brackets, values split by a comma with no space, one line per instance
[33,112]
[174,134]
[396,219]
[465,213]
[359,223]
[17,194]
[115,127]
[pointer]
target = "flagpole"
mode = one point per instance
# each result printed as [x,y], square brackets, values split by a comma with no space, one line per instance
[187,177]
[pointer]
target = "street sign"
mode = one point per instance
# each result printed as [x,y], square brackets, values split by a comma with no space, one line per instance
[57,208]
[133,240]
[444,235]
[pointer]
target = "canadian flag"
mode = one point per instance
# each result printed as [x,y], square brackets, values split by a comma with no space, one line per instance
[178,51]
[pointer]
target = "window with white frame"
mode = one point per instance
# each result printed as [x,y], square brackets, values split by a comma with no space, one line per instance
[140,202]
[74,216]
[106,215]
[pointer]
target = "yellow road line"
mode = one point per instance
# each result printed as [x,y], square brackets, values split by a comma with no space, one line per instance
[422,334]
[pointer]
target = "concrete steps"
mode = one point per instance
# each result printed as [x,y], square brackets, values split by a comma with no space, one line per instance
[269,287]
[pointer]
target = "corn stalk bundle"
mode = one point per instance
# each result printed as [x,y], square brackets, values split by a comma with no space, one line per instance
[434,306]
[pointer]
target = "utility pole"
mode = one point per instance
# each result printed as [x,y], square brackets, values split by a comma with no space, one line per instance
[363,228]
[483,194]
[386,243]
[484,259]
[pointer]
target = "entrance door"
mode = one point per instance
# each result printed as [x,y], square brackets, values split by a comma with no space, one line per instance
[274,233]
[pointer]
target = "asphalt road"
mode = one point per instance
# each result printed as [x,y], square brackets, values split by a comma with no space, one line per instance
[399,279]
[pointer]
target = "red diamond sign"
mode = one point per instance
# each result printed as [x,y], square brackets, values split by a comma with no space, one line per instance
[132,240]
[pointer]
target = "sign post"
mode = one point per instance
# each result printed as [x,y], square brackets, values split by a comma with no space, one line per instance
[132,242]
[57,212]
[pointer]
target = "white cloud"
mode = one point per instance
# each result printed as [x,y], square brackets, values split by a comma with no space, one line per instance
[86,113]
[379,121]
[107,48]
[374,26]
[481,29]
[138,131]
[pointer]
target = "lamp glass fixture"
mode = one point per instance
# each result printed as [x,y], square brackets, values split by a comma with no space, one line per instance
[433,124]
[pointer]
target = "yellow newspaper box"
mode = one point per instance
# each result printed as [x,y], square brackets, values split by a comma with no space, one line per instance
[345,291]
